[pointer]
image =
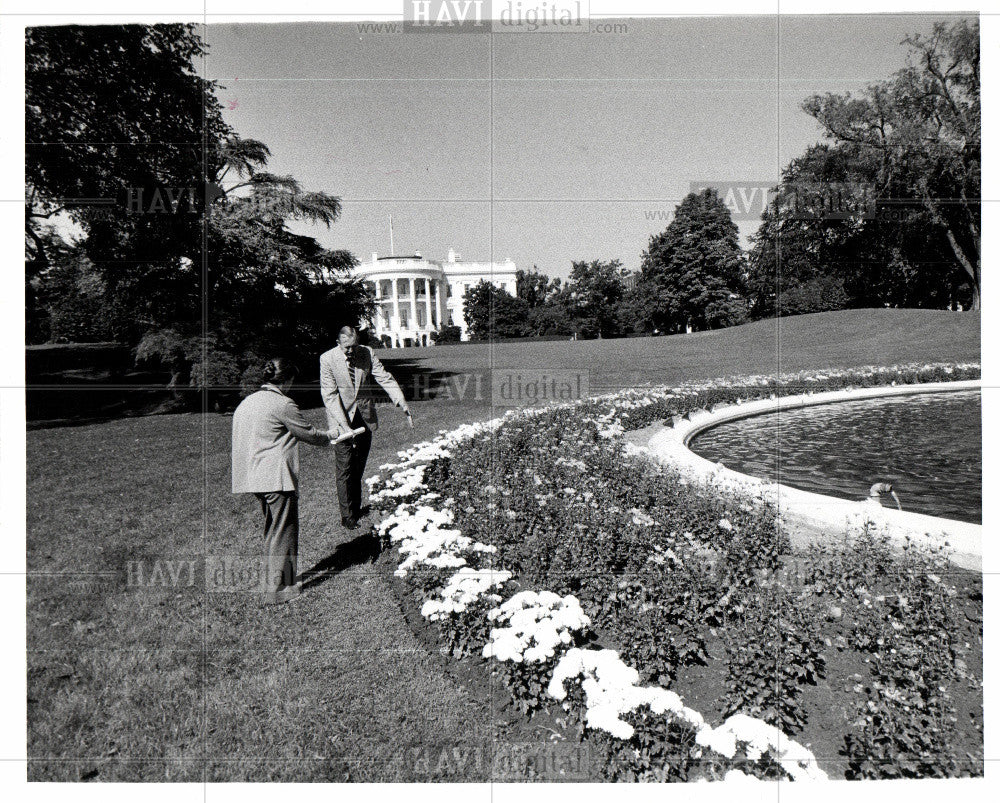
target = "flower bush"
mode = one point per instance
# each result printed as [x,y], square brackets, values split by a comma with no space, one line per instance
[531,632]
[610,690]
[642,572]
[903,617]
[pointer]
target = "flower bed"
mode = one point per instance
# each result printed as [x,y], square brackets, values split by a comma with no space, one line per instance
[598,585]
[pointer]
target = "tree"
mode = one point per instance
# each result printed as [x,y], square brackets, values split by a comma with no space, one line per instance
[112,114]
[692,272]
[45,288]
[921,132]
[194,225]
[554,317]
[492,313]
[595,289]
[826,242]
[447,334]
[535,288]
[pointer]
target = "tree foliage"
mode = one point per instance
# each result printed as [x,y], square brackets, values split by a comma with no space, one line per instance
[186,251]
[692,272]
[888,209]
[492,313]
[594,292]
[585,306]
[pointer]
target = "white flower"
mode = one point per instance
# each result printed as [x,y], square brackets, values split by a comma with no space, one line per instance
[536,624]
[641,518]
[462,590]
[720,740]
[610,691]
[757,738]
[402,483]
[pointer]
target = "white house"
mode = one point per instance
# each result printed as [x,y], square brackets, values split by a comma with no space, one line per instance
[417,296]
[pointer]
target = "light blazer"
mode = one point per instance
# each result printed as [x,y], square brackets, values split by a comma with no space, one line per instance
[267,428]
[341,396]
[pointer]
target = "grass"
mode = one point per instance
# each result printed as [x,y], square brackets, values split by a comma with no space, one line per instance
[168,682]
[822,340]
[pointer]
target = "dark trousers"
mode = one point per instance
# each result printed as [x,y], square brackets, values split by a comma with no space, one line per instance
[281,542]
[351,458]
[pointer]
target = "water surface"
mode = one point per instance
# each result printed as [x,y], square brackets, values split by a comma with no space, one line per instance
[929,446]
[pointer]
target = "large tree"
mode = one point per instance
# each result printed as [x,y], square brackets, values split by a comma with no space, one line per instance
[114,114]
[827,242]
[185,233]
[595,290]
[692,272]
[267,289]
[492,313]
[920,134]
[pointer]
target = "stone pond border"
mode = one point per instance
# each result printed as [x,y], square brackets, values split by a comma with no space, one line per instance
[808,516]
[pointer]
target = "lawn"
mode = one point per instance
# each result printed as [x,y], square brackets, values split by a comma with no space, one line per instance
[822,340]
[155,679]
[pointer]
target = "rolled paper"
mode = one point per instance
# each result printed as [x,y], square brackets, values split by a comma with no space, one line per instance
[348,435]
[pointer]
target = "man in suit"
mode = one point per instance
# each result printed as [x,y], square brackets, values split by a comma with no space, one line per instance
[267,429]
[343,372]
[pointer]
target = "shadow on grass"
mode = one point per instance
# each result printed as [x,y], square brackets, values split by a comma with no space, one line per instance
[362,549]
[64,400]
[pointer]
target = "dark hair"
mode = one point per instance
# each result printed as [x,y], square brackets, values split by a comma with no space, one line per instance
[280,369]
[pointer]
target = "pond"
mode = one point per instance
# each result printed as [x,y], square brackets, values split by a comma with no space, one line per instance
[929,446]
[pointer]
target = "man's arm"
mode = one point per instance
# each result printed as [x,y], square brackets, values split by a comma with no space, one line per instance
[388,383]
[335,413]
[291,416]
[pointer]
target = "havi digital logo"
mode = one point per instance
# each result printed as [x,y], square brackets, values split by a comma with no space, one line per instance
[446,16]
[498,16]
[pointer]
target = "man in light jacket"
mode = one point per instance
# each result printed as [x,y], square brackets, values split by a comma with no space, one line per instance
[343,372]
[267,428]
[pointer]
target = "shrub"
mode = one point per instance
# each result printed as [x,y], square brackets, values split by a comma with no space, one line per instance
[447,334]
[773,650]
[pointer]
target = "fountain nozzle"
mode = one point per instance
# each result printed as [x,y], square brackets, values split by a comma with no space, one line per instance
[879,488]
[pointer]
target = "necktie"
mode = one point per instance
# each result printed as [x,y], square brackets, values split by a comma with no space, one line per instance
[351,364]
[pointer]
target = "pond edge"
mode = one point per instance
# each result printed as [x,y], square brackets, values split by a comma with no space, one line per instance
[806,516]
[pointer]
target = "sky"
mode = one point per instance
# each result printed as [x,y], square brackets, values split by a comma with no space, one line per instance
[544,149]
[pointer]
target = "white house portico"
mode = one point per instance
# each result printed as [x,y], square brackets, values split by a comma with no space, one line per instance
[415,296]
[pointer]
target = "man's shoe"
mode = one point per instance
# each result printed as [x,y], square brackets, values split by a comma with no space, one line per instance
[350,523]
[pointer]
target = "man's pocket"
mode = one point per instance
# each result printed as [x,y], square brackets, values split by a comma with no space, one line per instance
[366,408]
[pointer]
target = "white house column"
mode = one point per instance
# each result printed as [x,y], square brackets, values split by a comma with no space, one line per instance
[394,324]
[437,303]
[413,303]
[427,303]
